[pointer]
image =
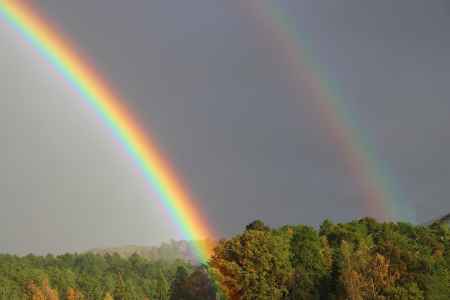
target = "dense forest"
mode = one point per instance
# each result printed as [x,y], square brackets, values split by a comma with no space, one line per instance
[359,260]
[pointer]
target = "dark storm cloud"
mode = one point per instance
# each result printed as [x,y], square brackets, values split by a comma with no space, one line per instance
[207,82]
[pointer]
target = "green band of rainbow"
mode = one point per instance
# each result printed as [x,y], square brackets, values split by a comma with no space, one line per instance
[82,76]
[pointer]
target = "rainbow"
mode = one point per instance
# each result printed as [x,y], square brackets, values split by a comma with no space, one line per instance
[381,194]
[109,107]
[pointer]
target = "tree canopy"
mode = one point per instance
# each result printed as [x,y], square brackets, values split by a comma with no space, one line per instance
[359,260]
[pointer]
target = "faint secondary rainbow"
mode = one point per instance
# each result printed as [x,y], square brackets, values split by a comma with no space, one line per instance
[58,51]
[382,197]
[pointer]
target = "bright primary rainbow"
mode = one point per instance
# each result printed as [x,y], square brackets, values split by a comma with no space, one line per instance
[82,76]
[381,194]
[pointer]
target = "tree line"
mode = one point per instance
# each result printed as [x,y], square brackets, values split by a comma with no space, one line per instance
[360,260]
[86,276]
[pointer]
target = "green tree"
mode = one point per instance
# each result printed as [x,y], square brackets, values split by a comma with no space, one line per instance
[178,289]
[257,225]
[438,284]
[120,292]
[254,265]
[309,263]
[200,285]
[163,287]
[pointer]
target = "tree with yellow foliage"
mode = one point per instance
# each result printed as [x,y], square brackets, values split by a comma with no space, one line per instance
[73,294]
[108,297]
[49,293]
[33,292]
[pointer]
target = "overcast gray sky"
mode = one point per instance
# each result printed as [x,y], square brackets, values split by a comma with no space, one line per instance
[208,81]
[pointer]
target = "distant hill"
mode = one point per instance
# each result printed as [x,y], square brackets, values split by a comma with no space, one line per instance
[442,220]
[170,251]
[445,219]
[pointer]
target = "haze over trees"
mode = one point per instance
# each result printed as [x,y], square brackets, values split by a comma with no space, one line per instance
[170,251]
[359,260]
